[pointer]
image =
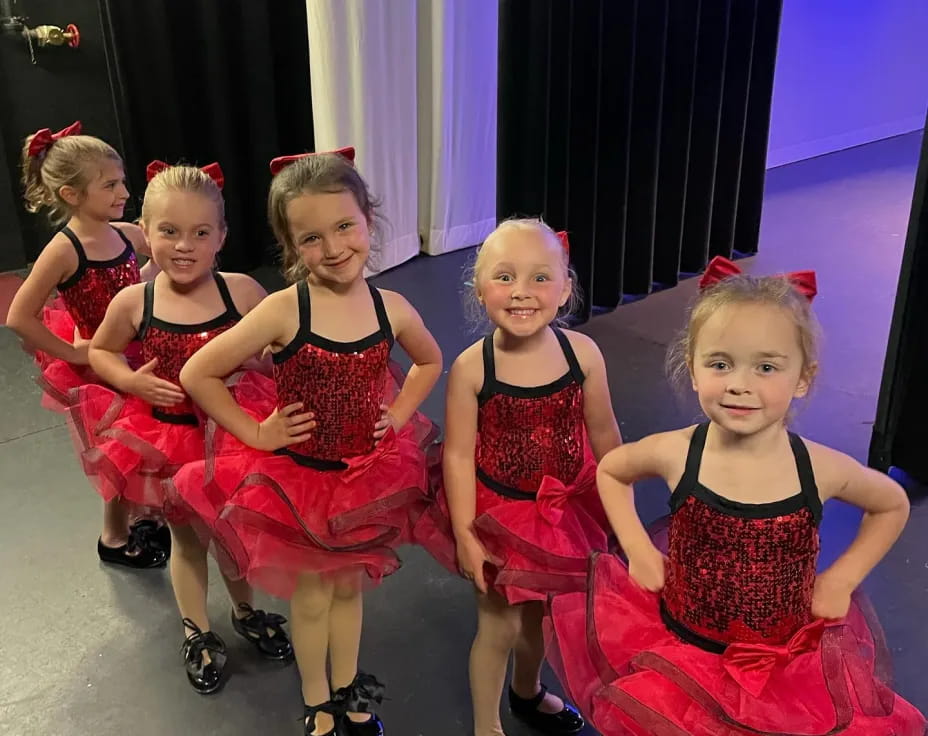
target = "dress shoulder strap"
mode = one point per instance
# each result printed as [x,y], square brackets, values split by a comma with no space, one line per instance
[382,319]
[227,300]
[81,259]
[690,475]
[806,476]
[575,370]
[489,371]
[148,308]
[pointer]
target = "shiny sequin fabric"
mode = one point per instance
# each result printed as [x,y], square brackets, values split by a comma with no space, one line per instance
[173,349]
[522,439]
[173,344]
[741,572]
[342,383]
[343,389]
[738,579]
[89,291]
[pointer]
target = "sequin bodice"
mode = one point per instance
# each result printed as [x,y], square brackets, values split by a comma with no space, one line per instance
[89,290]
[741,572]
[173,344]
[343,384]
[524,434]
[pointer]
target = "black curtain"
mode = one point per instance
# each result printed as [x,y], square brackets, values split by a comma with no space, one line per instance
[213,80]
[640,126]
[899,430]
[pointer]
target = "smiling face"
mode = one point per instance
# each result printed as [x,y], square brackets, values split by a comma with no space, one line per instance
[104,197]
[331,235]
[185,233]
[748,365]
[521,279]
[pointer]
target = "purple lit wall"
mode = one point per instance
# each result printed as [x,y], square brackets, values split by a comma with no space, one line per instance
[848,72]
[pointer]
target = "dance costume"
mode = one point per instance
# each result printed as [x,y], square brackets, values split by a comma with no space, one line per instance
[334,502]
[538,514]
[134,446]
[81,304]
[730,646]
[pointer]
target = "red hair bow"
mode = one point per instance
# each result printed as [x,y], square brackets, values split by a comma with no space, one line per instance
[720,268]
[282,162]
[565,242]
[44,138]
[213,171]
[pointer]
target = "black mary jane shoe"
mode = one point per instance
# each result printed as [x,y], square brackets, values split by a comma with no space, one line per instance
[309,718]
[254,627]
[564,723]
[132,554]
[204,678]
[148,532]
[363,694]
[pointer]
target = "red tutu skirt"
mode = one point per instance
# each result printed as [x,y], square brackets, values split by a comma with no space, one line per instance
[630,675]
[58,378]
[271,519]
[536,547]
[129,453]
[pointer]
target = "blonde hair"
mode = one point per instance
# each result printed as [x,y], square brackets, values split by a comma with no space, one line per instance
[322,173]
[67,162]
[183,178]
[775,291]
[475,312]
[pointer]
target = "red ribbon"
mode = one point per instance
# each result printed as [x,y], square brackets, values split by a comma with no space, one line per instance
[358,465]
[750,665]
[44,138]
[213,171]
[282,162]
[553,496]
[720,268]
[565,241]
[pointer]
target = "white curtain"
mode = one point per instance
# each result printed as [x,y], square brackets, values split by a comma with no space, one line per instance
[457,45]
[412,86]
[362,63]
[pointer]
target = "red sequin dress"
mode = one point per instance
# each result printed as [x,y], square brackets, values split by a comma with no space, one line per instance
[81,303]
[133,446]
[730,647]
[334,503]
[538,514]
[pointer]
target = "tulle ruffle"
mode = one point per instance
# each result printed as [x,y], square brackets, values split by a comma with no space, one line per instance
[59,379]
[537,547]
[128,453]
[271,519]
[630,675]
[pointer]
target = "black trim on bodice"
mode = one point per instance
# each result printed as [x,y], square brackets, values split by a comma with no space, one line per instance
[150,320]
[83,263]
[492,386]
[689,485]
[305,335]
[230,314]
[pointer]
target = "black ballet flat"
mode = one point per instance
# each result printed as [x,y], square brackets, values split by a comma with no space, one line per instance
[132,555]
[254,628]
[148,532]
[565,723]
[204,678]
[309,718]
[363,694]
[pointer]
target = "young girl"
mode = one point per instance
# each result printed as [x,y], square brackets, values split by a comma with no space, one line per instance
[145,439]
[80,181]
[733,633]
[314,511]
[529,412]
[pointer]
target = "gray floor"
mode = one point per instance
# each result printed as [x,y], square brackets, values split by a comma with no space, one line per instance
[91,650]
